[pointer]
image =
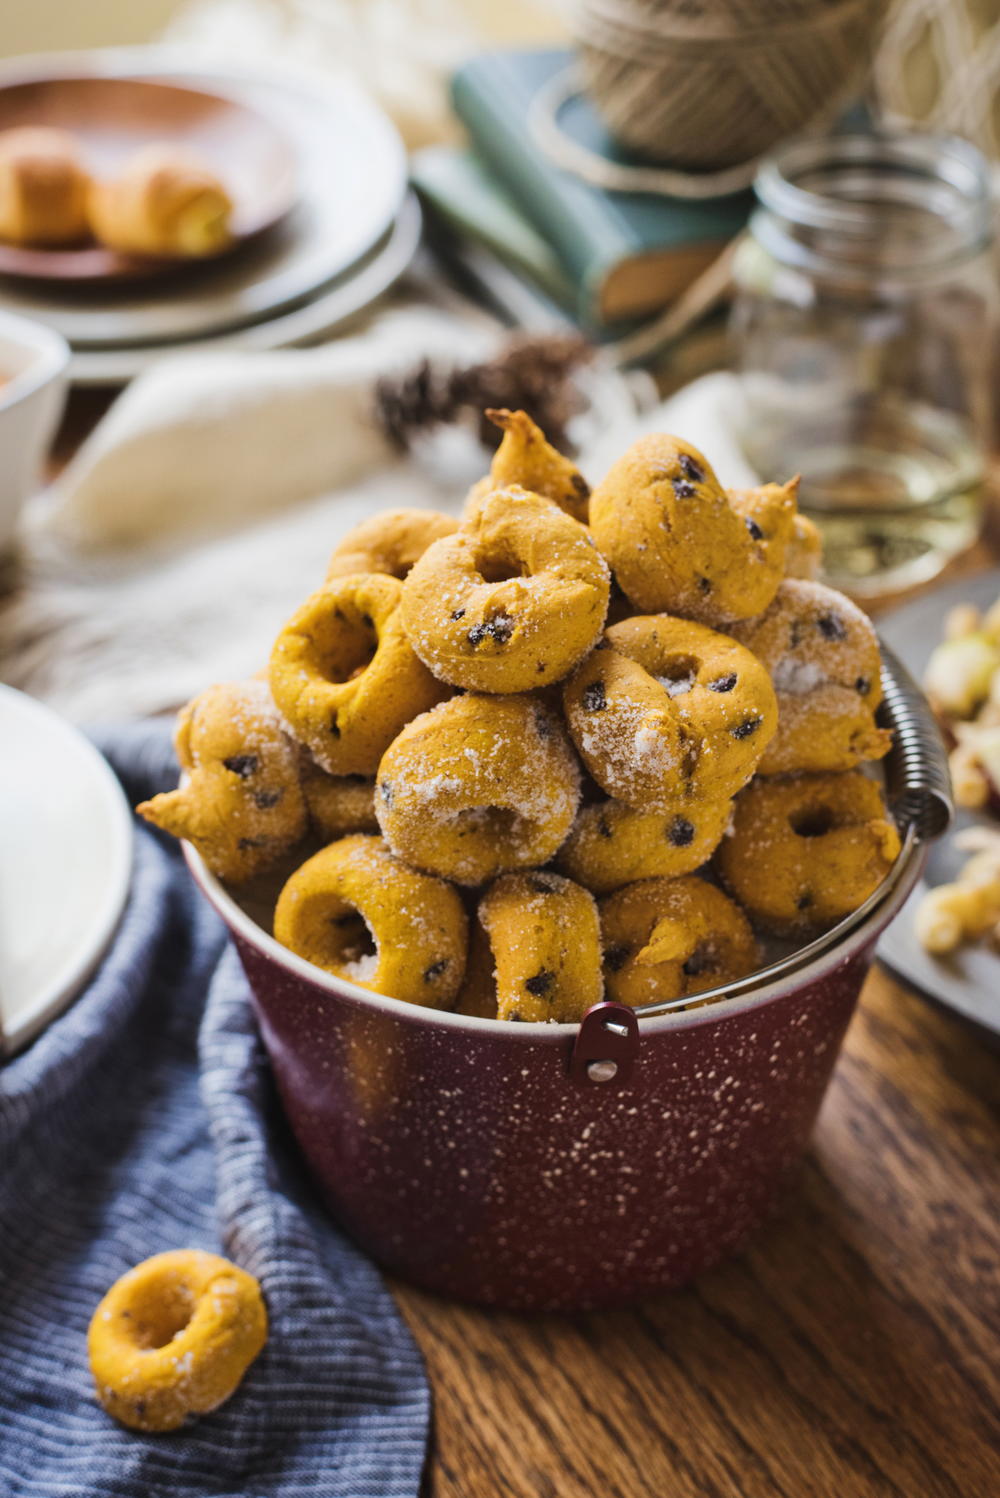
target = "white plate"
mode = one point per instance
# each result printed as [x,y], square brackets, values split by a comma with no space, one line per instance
[65,864]
[315,320]
[352,180]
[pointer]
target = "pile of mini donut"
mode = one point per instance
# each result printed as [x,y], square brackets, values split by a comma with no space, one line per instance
[523,736]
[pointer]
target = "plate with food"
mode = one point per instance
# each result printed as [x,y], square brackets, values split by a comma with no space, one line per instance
[105,179]
[946,942]
[554,838]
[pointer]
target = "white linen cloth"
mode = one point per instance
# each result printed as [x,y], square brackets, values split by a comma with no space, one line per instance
[202,510]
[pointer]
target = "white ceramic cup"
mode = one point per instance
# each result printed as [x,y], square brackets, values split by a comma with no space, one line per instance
[33,364]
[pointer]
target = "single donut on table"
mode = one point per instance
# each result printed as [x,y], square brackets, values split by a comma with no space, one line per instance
[823,657]
[676,542]
[524,458]
[173,1338]
[807,850]
[344,675]
[241,804]
[390,542]
[339,804]
[611,844]
[477,787]
[545,938]
[356,910]
[669,938]
[665,710]
[512,601]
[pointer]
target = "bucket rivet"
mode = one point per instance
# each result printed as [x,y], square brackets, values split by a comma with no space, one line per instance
[602,1071]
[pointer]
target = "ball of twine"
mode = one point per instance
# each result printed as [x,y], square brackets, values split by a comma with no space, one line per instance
[708,84]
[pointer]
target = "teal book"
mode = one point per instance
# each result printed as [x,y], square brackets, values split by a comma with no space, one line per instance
[455,185]
[625,254]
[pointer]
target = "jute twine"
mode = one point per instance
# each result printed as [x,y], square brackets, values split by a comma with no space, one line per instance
[705,85]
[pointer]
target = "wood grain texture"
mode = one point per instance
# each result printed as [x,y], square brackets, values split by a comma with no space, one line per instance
[850,1352]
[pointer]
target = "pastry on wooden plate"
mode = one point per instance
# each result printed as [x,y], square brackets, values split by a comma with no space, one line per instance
[43,188]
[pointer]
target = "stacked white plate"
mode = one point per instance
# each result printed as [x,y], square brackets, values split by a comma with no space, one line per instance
[352,233]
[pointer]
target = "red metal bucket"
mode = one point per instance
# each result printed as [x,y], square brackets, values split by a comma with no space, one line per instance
[563,1166]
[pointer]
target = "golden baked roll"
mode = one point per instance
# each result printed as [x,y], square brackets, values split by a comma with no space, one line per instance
[477,787]
[391,541]
[526,460]
[162,202]
[43,187]
[670,938]
[358,911]
[510,602]
[807,850]
[666,710]
[241,804]
[545,938]
[676,542]
[823,657]
[343,673]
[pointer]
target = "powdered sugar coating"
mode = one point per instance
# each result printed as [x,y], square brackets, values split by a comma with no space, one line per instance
[477,786]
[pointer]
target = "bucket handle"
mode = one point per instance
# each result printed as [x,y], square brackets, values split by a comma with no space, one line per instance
[916,768]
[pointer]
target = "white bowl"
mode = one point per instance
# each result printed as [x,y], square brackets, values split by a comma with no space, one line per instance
[33,365]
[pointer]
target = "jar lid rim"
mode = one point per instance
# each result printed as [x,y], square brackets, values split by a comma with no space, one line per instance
[945,159]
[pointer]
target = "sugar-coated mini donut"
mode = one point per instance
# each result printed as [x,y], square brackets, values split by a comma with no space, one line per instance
[358,911]
[345,676]
[678,545]
[611,844]
[512,601]
[666,710]
[524,458]
[823,657]
[479,786]
[339,804]
[545,938]
[241,804]
[807,850]
[668,938]
[173,1338]
[391,542]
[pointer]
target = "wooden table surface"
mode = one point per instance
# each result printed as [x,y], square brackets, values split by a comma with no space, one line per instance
[852,1351]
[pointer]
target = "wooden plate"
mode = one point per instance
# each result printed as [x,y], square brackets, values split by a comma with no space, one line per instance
[114,117]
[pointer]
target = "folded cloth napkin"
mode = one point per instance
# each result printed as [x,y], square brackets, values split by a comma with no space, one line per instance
[143,1120]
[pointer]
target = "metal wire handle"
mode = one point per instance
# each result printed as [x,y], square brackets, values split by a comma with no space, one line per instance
[916,767]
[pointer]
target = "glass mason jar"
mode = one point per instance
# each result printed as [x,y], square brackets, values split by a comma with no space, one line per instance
[863,324]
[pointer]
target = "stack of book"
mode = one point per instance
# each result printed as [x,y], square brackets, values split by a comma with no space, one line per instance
[607,260]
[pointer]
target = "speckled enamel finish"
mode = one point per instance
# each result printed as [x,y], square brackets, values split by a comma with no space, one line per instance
[467,1160]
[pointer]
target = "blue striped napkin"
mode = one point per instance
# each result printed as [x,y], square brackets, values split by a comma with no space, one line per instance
[144,1119]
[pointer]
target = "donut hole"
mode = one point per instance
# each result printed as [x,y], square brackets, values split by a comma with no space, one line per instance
[499,569]
[704,959]
[159,1311]
[814,821]
[356,947]
[679,674]
[345,648]
[499,825]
